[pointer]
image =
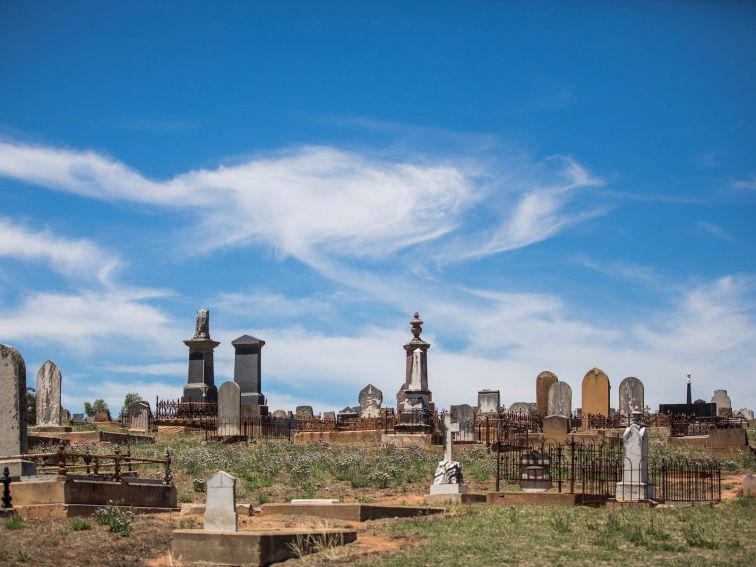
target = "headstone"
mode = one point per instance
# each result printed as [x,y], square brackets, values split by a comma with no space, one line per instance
[139,415]
[102,416]
[304,412]
[535,471]
[556,428]
[464,416]
[78,418]
[746,413]
[65,418]
[248,369]
[631,396]
[370,399]
[448,476]
[724,405]
[348,414]
[544,381]
[13,440]
[329,415]
[416,369]
[596,393]
[489,401]
[560,399]
[48,395]
[229,409]
[634,485]
[220,506]
[520,407]
[200,384]
[279,413]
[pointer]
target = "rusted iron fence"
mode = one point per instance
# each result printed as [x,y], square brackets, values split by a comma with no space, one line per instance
[258,427]
[687,480]
[503,425]
[176,410]
[114,466]
[387,422]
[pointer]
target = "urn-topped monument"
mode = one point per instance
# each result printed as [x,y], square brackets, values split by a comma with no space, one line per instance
[200,384]
[414,393]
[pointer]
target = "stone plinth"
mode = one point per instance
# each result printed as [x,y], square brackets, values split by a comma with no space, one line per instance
[251,548]
[544,381]
[556,428]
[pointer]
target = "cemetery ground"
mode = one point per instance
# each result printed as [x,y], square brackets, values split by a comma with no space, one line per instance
[714,534]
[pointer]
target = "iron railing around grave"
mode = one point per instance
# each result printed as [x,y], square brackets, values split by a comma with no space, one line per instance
[177,410]
[387,422]
[677,479]
[492,426]
[257,427]
[115,466]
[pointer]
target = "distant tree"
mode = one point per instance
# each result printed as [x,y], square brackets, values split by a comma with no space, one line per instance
[31,406]
[130,398]
[98,405]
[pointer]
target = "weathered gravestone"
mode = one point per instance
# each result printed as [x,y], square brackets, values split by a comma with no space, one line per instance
[596,393]
[634,485]
[464,416]
[370,399]
[489,401]
[348,414]
[521,407]
[544,381]
[560,399]
[556,428]
[13,440]
[631,396]
[139,416]
[535,471]
[229,409]
[48,395]
[329,415]
[304,412]
[279,413]
[220,507]
[724,405]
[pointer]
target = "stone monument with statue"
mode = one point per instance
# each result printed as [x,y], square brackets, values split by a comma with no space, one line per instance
[200,384]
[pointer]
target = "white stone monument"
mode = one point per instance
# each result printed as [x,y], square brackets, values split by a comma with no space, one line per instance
[448,477]
[634,486]
[220,507]
[229,409]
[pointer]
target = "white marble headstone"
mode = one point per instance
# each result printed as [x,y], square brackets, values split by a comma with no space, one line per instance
[220,507]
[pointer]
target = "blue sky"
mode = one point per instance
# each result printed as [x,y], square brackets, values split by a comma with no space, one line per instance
[552,187]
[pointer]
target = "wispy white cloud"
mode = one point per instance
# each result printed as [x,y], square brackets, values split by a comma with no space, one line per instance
[714,230]
[79,258]
[628,271]
[748,183]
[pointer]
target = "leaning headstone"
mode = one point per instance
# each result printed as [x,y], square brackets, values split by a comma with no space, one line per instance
[139,415]
[560,399]
[229,409]
[724,405]
[304,412]
[13,440]
[596,393]
[556,428]
[48,395]
[464,415]
[489,401]
[631,396]
[220,507]
[634,485]
[544,381]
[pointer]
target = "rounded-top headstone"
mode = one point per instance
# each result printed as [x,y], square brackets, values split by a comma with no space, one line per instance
[49,383]
[596,392]
[544,381]
[13,441]
[631,396]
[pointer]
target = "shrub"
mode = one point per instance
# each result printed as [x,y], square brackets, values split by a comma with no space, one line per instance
[118,519]
[199,485]
[14,523]
[80,524]
[184,498]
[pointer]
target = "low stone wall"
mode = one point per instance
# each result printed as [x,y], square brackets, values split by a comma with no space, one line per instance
[371,437]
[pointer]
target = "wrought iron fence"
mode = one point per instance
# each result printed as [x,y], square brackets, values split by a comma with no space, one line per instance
[687,480]
[115,466]
[256,427]
[177,410]
[387,422]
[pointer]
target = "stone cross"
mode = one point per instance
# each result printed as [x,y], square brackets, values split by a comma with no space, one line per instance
[449,428]
[220,506]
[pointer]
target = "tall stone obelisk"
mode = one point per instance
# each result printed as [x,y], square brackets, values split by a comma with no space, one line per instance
[414,394]
[200,384]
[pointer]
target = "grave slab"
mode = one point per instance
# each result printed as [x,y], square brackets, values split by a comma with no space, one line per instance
[352,512]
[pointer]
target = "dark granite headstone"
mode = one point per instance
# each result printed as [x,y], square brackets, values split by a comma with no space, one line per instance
[247,370]
[200,384]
